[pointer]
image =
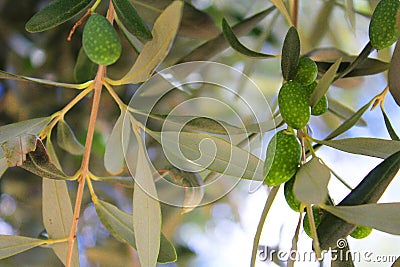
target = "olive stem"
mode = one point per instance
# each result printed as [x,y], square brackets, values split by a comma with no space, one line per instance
[268,204]
[84,169]
[85,162]
[314,235]
[295,12]
[295,239]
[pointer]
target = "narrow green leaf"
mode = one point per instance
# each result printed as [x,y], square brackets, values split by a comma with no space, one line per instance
[350,122]
[126,12]
[213,47]
[373,147]
[146,212]
[389,127]
[10,76]
[11,245]
[84,69]
[215,154]
[114,160]
[282,8]
[155,51]
[237,45]
[125,181]
[368,66]
[311,183]
[290,54]
[382,216]
[28,152]
[193,123]
[55,13]
[324,83]
[393,75]
[57,210]
[66,139]
[33,126]
[369,190]
[195,23]
[119,224]
[343,112]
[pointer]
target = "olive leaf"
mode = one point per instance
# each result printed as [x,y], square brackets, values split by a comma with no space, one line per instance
[57,210]
[324,83]
[125,181]
[11,244]
[389,126]
[368,66]
[119,224]
[16,149]
[369,190]
[393,75]
[350,122]
[213,47]
[154,51]
[146,211]
[114,160]
[128,15]
[216,154]
[66,139]
[343,112]
[237,45]
[55,13]
[84,69]
[28,152]
[10,76]
[290,54]
[32,126]
[373,147]
[191,123]
[195,23]
[311,183]
[382,216]
[200,124]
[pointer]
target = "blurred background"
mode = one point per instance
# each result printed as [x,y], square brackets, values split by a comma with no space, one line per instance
[219,234]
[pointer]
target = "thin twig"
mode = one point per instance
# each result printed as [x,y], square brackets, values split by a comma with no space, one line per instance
[295,239]
[78,23]
[264,214]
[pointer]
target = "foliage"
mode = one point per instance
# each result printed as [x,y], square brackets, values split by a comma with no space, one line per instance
[201,146]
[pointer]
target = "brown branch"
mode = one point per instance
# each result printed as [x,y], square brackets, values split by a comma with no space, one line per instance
[98,84]
[78,23]
[84,170]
